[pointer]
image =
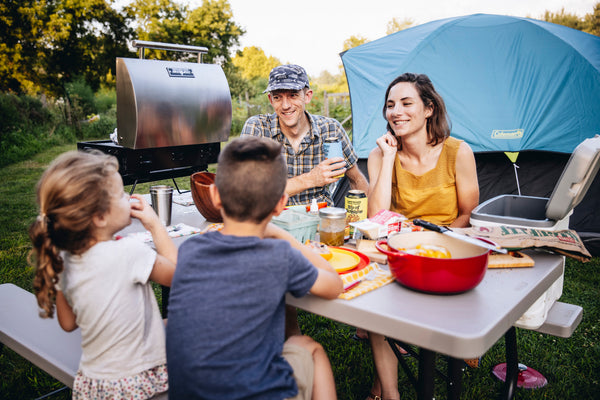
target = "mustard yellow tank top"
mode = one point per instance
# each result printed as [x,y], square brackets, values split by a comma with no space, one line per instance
[431,196]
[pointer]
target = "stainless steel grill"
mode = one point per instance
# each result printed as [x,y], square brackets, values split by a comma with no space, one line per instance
[171,116]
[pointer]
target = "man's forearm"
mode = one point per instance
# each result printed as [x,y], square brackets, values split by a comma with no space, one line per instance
[298,184]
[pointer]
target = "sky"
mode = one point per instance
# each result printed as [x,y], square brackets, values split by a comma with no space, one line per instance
[311,33]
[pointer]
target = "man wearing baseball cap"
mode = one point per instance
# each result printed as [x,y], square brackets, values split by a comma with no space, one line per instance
[302,136]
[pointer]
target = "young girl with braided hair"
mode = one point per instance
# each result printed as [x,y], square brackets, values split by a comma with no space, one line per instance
[99,284]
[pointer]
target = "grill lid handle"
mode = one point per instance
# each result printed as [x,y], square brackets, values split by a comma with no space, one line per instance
[144,44]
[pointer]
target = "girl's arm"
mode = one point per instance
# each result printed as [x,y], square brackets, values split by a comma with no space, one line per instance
[163,271]
[64,313]
[166,258]
[380,166]
[467,187]
[328,284]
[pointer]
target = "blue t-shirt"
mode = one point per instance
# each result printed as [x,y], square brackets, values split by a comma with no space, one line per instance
[226,317]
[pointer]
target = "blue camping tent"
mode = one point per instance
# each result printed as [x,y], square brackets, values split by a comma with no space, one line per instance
[509,83]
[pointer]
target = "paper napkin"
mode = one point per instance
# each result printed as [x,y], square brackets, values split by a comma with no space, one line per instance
[373,277]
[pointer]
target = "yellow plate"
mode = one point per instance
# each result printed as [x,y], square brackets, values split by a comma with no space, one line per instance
[343,260]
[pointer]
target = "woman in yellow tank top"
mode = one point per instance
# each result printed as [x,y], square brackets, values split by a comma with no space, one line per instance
[419,171]
[416,168]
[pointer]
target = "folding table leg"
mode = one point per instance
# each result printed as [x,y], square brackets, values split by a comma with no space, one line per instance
[454,378]
[426,374]
[512,364]
[409,373]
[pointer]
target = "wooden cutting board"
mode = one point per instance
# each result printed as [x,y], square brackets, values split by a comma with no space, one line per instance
[514,259]
[367,247]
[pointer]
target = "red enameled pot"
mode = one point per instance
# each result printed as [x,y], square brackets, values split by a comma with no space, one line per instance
[458,274]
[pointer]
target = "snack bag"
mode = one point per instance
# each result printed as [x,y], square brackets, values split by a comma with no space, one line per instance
[381,224]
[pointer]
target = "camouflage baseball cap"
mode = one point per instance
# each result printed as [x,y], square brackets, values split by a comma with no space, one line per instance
[290,77]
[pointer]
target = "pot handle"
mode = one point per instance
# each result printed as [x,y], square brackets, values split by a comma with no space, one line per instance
[390,252]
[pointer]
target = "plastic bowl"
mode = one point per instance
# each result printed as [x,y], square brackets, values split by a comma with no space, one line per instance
[200,183]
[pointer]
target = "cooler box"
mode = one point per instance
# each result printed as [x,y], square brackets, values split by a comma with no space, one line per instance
[545,213]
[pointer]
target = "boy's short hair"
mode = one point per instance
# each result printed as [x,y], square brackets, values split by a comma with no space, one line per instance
[251,178]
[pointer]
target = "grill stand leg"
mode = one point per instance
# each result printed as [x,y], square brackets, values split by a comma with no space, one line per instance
[133,187]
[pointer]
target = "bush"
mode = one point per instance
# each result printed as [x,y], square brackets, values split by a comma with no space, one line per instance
[239,116]
[341,112]
[100,128]
[24,126]
[242,110]
[28,125]
[105,99]
[10,117]
[21,112]
[81,98]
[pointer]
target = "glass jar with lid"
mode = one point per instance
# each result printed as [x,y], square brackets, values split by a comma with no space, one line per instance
[332,226]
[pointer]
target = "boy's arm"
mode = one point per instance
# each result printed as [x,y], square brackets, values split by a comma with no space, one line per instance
[328,284]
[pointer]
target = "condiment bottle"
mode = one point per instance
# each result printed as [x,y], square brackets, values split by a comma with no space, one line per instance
[314,207]
[332,226]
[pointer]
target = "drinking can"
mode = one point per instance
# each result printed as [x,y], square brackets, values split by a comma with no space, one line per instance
[356,208]
[332,147]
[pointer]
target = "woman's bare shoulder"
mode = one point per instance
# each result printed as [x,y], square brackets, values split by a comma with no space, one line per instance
[376,153]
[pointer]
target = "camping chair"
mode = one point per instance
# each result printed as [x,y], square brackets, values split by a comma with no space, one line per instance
[343,185]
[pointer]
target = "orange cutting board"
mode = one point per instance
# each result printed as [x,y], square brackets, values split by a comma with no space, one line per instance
[514,259]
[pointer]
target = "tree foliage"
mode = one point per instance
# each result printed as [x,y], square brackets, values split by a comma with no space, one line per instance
[18,24]
[354,41]
[254,63]
[394,25]
[590,23]
[564,18]
[49,42]
[158,21]
[210,25]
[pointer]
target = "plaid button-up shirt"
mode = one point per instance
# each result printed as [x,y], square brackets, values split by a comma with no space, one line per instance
[310,152]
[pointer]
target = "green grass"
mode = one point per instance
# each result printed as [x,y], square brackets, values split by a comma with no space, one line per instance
[572,366]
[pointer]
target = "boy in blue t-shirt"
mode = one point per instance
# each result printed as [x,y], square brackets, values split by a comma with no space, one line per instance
[225,335]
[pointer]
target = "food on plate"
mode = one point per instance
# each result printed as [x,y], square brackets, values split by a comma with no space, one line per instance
[320,248]
[429,250]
